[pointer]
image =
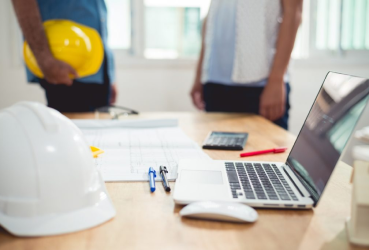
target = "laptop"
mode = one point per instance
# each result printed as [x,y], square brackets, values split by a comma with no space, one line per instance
[297,183]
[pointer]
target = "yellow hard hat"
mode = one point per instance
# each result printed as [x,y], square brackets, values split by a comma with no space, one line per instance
[76,44]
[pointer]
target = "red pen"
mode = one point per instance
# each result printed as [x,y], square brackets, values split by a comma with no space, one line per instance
[273,150]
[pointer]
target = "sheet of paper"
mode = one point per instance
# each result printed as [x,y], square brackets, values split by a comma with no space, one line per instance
[134,123]
[130,152]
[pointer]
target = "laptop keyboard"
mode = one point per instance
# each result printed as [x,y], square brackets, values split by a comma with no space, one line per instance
[258,181]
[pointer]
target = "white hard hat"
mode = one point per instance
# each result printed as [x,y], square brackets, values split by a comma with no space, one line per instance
[48,181]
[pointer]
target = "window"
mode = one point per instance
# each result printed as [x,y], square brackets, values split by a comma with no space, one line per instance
[171,29]
[334,28]
[343,24]
[119,23]
[156,29]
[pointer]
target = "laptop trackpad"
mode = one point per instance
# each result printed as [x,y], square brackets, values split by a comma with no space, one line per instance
[201,177]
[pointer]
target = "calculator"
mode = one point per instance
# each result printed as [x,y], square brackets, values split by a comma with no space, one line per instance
[225,140]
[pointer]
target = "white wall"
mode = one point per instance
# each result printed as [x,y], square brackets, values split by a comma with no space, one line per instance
[12,76]
[156,89]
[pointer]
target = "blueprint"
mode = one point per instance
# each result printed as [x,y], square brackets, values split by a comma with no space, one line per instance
[129,152]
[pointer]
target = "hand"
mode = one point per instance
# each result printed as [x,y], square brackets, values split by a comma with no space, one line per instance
[273,100]
[114,93]
[197,95]
[58,72]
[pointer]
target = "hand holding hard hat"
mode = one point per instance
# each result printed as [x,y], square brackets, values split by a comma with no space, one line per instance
[49,183]
[58,72]
[77,50]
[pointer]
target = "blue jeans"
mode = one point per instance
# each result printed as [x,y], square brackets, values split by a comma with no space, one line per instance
[241,99]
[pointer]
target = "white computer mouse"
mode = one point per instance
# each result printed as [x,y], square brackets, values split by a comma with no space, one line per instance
[222,211]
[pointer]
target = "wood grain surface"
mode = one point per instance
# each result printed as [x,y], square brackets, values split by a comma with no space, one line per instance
[147,220]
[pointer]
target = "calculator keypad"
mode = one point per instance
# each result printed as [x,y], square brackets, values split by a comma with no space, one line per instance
[228,141]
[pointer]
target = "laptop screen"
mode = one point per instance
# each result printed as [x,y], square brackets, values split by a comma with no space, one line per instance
[331,120]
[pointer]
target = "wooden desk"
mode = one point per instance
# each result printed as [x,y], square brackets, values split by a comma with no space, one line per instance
[151,221]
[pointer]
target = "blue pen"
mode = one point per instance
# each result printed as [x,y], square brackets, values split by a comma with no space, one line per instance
[152,175]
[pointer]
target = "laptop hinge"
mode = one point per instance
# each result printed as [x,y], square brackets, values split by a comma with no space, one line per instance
[300,187]
[300,184]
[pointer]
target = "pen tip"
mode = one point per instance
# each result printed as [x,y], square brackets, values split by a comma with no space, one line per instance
[152,190]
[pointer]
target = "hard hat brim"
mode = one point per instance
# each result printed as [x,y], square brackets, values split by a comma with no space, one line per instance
[54,224]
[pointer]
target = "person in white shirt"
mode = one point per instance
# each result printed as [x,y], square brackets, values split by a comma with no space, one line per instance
[244,58]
